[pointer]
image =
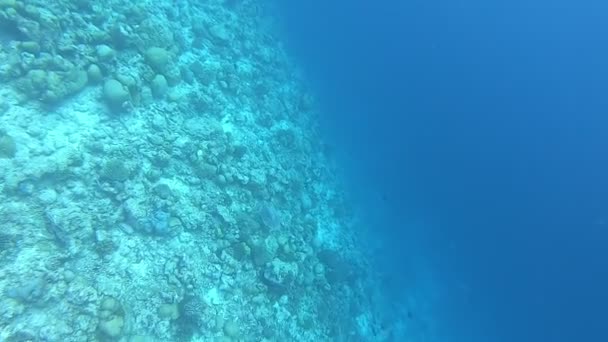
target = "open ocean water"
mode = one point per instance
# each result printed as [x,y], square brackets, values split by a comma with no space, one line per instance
[473,135]
[349,171]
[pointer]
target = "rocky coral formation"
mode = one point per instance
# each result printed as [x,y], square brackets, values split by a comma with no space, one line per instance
[161,179]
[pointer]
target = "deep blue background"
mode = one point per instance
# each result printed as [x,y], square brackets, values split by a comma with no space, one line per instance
[488,120]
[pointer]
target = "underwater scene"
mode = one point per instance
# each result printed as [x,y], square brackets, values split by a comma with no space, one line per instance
[273,171]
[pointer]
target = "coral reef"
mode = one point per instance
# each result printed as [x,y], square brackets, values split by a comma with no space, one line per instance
[162,179]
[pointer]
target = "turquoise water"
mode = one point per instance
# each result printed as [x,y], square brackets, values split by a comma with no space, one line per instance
[473,138]
[241,170]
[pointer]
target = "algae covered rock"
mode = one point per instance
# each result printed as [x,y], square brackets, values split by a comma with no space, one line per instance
[231,329]
[104,52]
[68,84]
[168,311]
[220,34]
[112,327]
[8,148]
[240,251]
[110,304]
[8,3]
[163,191]
[95,74]
[112,319]
[261,255]
[279,276]
[115,170]
[142,338]
[115,94]
[34,83]
[52,86]
[204,73]
[157,58]
[159,86]
[30,46]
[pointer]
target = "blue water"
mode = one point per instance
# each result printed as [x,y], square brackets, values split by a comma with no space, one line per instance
[473,135]
[348,171]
